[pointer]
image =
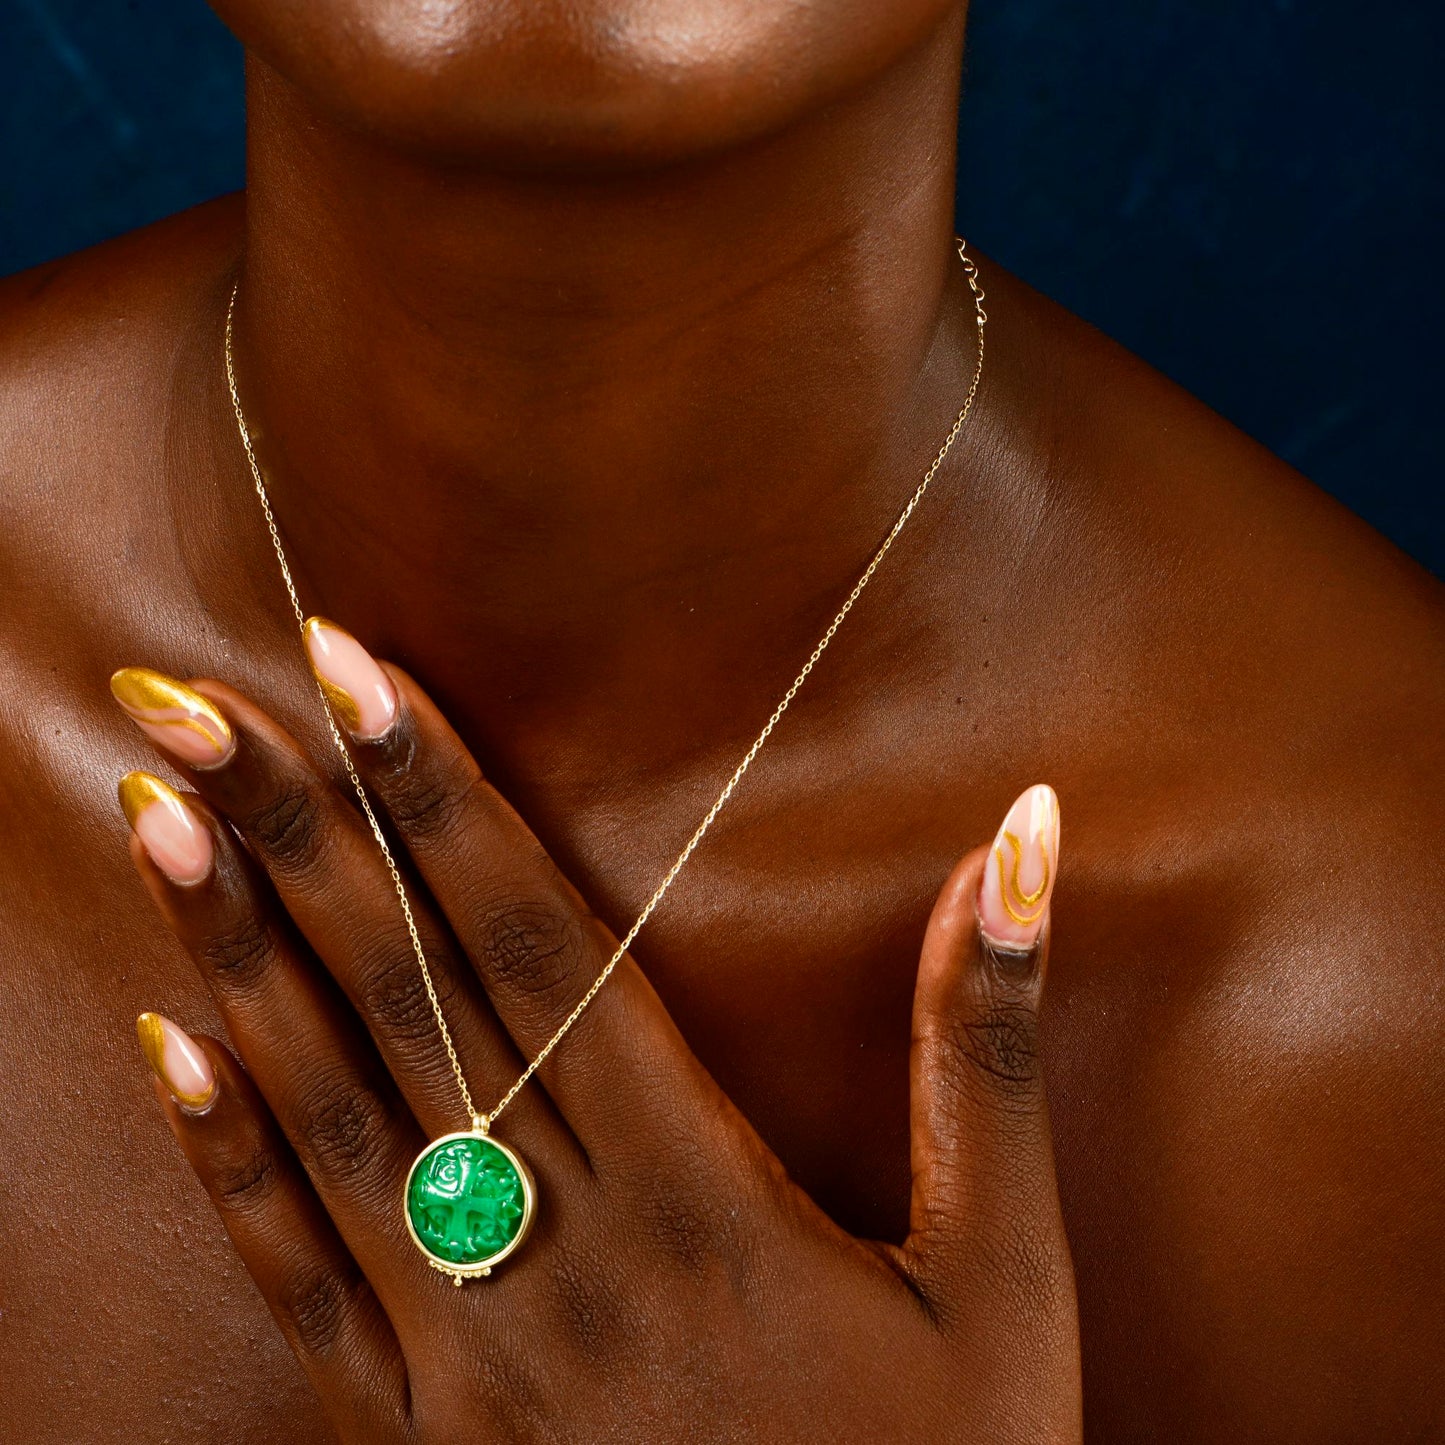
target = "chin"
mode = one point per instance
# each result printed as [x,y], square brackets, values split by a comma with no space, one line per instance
[577,82]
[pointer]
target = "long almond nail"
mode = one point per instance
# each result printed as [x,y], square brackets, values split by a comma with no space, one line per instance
[178,842]
[1018,879]
[177,1060]
[360,693]
[177,717]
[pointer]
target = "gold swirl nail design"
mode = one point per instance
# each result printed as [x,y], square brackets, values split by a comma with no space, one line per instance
[176,717]
[1023,906]
[1011,911]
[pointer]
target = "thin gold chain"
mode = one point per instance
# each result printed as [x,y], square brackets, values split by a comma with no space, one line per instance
[483,1122]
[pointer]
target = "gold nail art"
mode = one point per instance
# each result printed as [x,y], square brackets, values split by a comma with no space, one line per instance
[1025,907]
[137,791]
[157,701]
[342,702]
[152,1035]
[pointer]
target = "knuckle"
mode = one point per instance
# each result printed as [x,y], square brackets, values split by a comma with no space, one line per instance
[312,1305]
[690,1223]
[288,825]
[592,1313]
[238,1182]
[999,1047]
[527,946]
[341,1129]
[515,1400]
[239,952]
[393,995]
[681,1230]
[425,805]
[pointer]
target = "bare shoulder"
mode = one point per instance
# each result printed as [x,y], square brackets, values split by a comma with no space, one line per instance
[1248,992]
[94,383]
[130,1317]
[126,287]
[88,344]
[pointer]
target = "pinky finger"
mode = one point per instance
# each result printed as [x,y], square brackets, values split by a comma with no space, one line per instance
[324,1305]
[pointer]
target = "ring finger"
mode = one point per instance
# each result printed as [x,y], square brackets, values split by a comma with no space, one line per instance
[318,1072]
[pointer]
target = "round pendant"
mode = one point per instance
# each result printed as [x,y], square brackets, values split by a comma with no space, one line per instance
[469,1203]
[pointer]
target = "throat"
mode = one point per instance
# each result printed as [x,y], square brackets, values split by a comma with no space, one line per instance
[567,446]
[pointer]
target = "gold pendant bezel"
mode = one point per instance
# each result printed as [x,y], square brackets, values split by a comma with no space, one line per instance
[483,1267]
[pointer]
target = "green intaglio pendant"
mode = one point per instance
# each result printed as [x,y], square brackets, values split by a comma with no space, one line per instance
[470,1201]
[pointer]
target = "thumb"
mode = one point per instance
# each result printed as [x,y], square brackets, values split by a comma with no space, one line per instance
[986,1224]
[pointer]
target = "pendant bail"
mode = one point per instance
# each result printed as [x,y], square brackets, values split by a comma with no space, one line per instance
[481,1124]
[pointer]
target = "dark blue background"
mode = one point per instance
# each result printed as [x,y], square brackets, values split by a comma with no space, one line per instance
[1247,193]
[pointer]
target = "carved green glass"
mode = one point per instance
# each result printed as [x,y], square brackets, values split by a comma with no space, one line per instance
[466,1201]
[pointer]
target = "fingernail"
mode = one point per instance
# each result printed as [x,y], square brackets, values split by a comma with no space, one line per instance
[177,717]
[1013,900]
[357,689]
[177,1060]
[178,842]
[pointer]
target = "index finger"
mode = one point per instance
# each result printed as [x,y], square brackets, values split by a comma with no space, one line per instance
[571,999]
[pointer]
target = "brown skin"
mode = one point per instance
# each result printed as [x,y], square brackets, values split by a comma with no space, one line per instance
[678,1285]
[594,457]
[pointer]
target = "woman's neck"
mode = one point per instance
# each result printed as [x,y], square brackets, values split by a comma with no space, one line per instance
[595,432]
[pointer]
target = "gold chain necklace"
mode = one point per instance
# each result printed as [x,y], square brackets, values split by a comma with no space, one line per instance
[470,1167]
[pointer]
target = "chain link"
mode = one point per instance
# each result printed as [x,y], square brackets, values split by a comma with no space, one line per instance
[483,1121]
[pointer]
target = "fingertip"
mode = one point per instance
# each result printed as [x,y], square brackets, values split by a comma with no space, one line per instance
[417,715]
[952,926]
[231,1090]
[182,722]
[401,679]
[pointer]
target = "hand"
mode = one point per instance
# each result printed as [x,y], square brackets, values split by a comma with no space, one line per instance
[677,1286]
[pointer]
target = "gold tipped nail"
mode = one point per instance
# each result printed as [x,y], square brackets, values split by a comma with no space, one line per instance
[151,1034]
[176,1061]
[342,703]
[137,791]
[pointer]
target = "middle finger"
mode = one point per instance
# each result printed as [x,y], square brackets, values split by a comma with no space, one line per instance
[329,874]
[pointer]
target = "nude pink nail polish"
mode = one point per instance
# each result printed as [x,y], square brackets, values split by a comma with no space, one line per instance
[359,692]
[177,1060]
[1018,879]
[178,842]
